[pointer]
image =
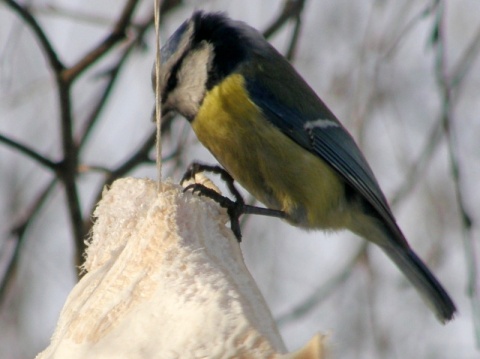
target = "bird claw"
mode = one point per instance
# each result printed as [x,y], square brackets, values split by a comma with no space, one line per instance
[234,209]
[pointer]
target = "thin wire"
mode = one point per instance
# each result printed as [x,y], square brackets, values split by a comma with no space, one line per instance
[158,102]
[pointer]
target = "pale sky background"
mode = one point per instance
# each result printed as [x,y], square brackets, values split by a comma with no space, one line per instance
[371,61]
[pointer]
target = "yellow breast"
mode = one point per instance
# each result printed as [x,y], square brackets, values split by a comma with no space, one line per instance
[268,164]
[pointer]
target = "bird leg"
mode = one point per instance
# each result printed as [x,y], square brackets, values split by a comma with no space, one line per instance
[234,208]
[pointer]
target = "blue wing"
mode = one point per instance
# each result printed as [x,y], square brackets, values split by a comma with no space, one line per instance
[317,130]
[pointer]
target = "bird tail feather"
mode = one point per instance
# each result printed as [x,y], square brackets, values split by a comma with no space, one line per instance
[423,280]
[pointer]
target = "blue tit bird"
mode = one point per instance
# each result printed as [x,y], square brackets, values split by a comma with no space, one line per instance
[270,131]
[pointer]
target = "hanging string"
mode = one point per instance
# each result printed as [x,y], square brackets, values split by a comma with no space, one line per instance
[158,102]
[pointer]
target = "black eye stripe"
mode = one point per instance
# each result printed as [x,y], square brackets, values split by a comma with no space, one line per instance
[172,81]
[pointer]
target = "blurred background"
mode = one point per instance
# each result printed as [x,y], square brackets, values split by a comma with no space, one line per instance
[404,78]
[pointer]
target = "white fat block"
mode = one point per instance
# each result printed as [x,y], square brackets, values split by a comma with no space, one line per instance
[165,278]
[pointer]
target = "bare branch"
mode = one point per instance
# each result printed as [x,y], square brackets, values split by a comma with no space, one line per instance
[19,230]
[295,36]
[45,43]
[445,88]
[113,75]
[323,291]
[140,156]
[465,63]
[291,8]
[419,166]
[117,34]
[44,161]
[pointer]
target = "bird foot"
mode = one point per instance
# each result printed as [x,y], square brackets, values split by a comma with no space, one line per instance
[234,208]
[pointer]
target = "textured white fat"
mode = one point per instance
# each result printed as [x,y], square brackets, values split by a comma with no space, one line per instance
[320,123]
[166,279]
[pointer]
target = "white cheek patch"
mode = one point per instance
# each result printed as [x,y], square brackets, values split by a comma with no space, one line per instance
[320,123]
[193,74]
[192,77]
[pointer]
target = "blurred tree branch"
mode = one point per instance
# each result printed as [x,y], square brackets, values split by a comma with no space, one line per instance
[18,230]
[447,84]
[67,169]
[324,290]
[27,151]
[291,9]
[45,44]
[117,34]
